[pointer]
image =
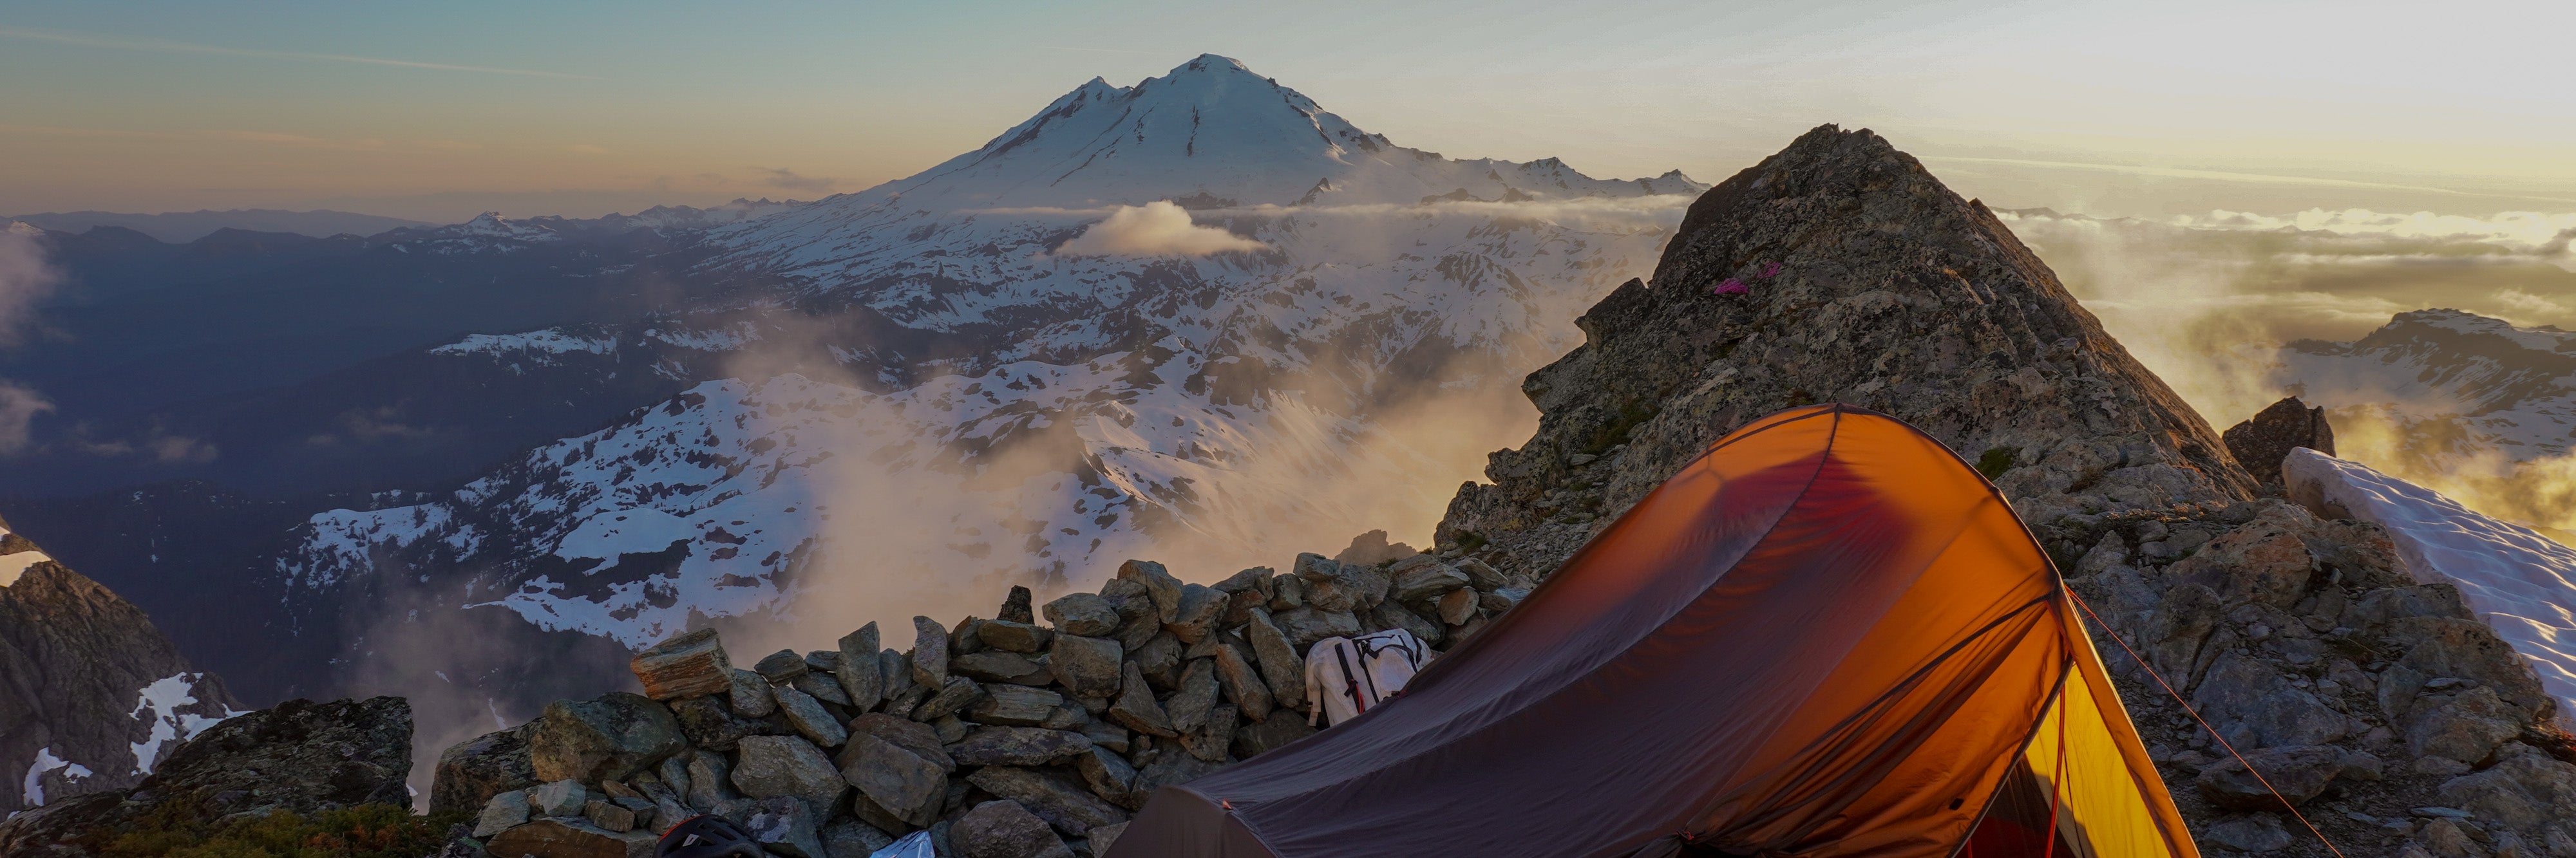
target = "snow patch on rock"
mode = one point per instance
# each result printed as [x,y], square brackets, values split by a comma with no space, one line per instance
[2522,583]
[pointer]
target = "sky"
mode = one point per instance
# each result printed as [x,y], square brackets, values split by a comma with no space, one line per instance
[439,111]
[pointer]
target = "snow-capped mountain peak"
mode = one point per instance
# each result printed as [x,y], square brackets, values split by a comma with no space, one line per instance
[1210,134]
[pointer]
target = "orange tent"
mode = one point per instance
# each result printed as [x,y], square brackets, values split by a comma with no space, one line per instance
[1827,636]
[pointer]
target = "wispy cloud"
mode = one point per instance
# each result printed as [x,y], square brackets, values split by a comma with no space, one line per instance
[2227,176]
[783,178]
[84,40]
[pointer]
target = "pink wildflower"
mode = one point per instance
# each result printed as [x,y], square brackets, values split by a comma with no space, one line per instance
[1732,286]
[1770,270]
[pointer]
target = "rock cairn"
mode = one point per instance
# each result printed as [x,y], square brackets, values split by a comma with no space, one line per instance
[1036,732]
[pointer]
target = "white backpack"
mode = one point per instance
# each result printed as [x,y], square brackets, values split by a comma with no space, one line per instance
[1348,676]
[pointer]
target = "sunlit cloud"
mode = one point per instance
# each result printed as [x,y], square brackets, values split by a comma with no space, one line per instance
[2228,176]
[1159,228]
[163,46]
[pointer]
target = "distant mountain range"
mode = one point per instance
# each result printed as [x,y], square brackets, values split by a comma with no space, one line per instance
[184,227]
[2476,407]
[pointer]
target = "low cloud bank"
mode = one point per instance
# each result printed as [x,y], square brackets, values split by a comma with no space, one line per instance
[1159,228]
[2209,301]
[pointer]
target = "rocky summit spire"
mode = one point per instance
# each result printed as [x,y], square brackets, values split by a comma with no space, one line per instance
[1841,270]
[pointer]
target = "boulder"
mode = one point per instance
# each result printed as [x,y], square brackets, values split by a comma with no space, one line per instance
[1160,586]
[609,737]
[1255,579]
[611,816]
[919,738]
[963,638]
[1136,707]
[1083,614]
[1423,584]
[781,666]
[710,781]
[806,716]
[1457,605]
[2524,789]
[2299,773]
[1017,746]
[1305,626]
[929,653]
[1195,617]
[1391,614]
[861,678]
[1004,829]
[1087,666]
[2448,647]
[1172,770]
[823,686]
[1214,740]
[1054,797]
[501,811]
[559,798]
[1015,607]
[2262,441]
[1241,684]
[1260,737]
[2261,562]
[850,838]
[1160,659]
[471,772]
[902,784]
[785,826]
[557,838]
[687,664]
[2467,726]
[707,722]
[773,766]
[1110,777]
[952,698]
[2250,703]
[1001,666]
[1102,837]
[2259,833]
[1014,706]
[1105,735]
[1014,636]
[1189,706]
[1280,665]
[750,696]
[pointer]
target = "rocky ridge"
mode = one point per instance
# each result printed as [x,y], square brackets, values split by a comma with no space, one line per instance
[298,756]
[1036,732]
[91,693]
[1840,270]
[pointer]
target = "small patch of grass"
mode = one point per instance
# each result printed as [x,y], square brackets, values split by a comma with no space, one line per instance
[364,831]
[1996,461]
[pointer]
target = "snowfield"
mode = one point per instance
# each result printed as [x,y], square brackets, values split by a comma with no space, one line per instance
[2517,580]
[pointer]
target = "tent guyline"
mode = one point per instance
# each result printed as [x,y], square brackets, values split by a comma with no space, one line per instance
[1828,636]
[2286,804]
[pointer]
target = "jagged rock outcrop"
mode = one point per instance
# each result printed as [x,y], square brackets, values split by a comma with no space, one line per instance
[1001,737]
[1840,270]
[2382,708]
[296,756]
[2261,441]
[91,693]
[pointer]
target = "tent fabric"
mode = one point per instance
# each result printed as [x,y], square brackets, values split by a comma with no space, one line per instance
[1827,636]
